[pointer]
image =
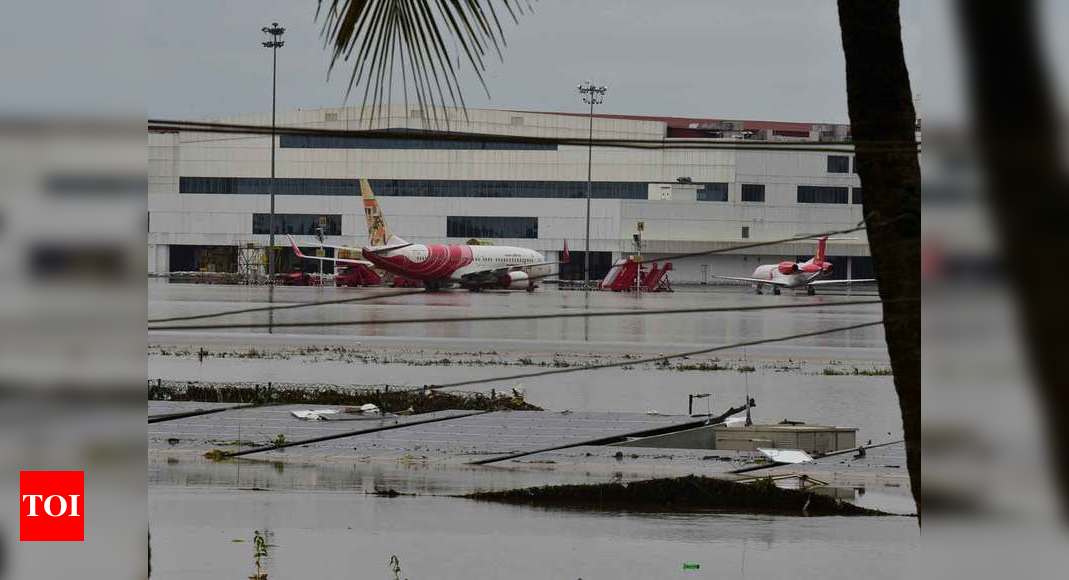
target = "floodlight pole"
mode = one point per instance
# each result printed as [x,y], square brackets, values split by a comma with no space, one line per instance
[275,31]
[591,95]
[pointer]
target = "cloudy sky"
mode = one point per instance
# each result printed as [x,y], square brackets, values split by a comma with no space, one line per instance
[756,59]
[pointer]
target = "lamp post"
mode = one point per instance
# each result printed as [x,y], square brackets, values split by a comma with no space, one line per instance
[275,32]
[591,95]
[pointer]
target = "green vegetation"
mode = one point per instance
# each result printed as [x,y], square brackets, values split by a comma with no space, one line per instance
[680,494]
[395,399]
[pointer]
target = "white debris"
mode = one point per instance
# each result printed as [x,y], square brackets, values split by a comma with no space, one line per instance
[312,414]
[786,455]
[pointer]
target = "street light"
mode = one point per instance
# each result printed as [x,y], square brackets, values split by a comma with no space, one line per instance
[591,95]
[275,32]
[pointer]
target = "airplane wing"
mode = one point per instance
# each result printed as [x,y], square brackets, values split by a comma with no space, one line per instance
[752,280]
[831,282]
[496,272]
[297,251]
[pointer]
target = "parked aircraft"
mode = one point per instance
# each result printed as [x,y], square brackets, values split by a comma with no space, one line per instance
[471,266]
[789,274]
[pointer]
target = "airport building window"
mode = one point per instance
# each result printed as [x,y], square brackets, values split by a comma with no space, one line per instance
[838,164]
[262,186]
[713,192]
[754,192]
[491,227]
[745,234]
[823,194]
[431,188]
[856,193]
[297,224]
[443,142]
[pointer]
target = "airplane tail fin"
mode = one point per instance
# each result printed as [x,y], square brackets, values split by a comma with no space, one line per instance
[565,257]
[377,231]
[822,244]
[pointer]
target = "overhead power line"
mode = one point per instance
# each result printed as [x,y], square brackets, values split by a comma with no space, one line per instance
[168,125]
[284,307]
[507,317]
[647,360]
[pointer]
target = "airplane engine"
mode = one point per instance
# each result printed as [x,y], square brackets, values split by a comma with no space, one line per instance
[787,268]
[514,280]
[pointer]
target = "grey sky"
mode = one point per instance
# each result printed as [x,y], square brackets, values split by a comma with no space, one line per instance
[757,59]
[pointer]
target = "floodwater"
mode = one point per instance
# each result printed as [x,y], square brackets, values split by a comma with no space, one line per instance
[322,522]
[657,332]
[337,535]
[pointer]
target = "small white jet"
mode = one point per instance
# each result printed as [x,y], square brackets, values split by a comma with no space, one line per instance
[789,274]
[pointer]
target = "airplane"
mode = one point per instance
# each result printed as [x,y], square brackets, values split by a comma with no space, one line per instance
[796,274]
[471,266]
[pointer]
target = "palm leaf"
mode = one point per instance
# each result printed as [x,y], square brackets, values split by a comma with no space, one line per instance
[378,38]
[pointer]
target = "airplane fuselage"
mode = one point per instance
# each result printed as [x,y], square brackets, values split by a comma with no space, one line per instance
[463,264]
[772,273]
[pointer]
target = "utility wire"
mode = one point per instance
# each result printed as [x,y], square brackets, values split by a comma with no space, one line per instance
[504,317]
[284,307]
[646,360]
[166,125]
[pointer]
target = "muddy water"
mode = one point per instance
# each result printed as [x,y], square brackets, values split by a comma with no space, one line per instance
[323,523]
[167,300]
[336,535]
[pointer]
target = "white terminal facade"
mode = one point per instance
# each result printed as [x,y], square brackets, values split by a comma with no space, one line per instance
[208,193]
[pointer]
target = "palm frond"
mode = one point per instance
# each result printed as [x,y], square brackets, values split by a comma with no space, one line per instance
[380,37]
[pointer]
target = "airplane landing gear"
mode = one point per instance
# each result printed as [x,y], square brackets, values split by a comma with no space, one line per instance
[810,290]
[530,287]
[757,290]
[775,290]
[431,286]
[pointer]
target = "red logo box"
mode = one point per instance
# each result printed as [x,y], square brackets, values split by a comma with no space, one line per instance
[51,506]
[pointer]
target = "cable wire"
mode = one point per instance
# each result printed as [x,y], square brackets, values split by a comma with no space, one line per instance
[167,125]
[283,307]
[506,317]
[646,360]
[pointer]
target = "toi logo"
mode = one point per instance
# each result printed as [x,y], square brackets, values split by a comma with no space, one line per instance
[51,506]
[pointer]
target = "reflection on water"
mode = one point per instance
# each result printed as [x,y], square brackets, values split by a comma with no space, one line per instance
[346,535]
[167,300]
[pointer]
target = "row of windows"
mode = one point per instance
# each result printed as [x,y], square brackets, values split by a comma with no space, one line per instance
[432,188]
[297,224]
[491,227]
[339,142]
[501,188]
[750,192]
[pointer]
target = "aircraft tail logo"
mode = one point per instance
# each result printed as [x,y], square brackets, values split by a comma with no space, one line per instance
[822,244]
[377,231]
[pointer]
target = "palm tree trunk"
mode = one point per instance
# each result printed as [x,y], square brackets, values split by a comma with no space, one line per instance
[1018,124]
[883,125]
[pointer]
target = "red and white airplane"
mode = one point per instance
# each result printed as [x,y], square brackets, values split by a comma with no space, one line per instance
[796,274]
[437,266]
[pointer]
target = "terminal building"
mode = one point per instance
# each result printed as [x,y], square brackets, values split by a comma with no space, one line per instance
[209,197]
